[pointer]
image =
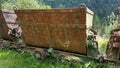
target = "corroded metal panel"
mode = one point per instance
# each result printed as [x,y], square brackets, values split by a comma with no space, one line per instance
[7,21]
[62,29]
[113,46]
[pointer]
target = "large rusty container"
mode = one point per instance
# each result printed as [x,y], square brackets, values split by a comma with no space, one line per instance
[62,29]
[7,21]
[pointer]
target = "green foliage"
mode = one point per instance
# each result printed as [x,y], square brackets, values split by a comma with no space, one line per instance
[109,28]
[102,8]
[13,59]
[102,42]
[105,25]
[24,4]
[112,24]
[96,21]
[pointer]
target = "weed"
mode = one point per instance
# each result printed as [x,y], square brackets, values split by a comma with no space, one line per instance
[13,59]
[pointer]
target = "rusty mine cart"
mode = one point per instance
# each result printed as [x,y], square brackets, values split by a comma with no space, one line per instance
[68,30]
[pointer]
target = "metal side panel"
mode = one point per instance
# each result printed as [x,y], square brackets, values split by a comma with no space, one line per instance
[7,21]
[62,29]
[3,27]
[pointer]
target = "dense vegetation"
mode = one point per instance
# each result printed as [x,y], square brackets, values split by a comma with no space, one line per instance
[105,19]
[13,59]
[105,10]
[101,7]
[22,4]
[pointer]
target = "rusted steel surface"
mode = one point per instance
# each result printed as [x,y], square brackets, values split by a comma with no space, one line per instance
[62,29]
[113,47]
[7,21]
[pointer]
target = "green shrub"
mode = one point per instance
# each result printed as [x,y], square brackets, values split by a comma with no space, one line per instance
[102,44]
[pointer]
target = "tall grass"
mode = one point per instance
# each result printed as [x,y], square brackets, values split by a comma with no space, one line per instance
[13,59]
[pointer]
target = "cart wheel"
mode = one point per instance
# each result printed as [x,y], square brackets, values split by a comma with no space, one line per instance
[61,57]
[39,54]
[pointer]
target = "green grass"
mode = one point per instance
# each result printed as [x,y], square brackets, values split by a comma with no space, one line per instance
[13,59]
[102,44]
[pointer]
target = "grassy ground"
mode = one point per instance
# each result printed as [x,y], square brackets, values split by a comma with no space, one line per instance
[13,59]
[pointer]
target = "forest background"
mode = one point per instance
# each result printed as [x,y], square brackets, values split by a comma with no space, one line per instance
[105,11]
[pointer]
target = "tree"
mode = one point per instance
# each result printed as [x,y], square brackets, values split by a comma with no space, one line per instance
[96,21]
[112,21]
[24,4]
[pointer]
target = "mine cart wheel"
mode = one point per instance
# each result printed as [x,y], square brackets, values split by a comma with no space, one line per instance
[39,54]
[61,57]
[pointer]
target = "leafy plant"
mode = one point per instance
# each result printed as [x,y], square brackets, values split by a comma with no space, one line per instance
[24,4]
[102,42]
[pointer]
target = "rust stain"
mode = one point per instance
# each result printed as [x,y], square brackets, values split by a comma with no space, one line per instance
[7,21]
[62,29]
